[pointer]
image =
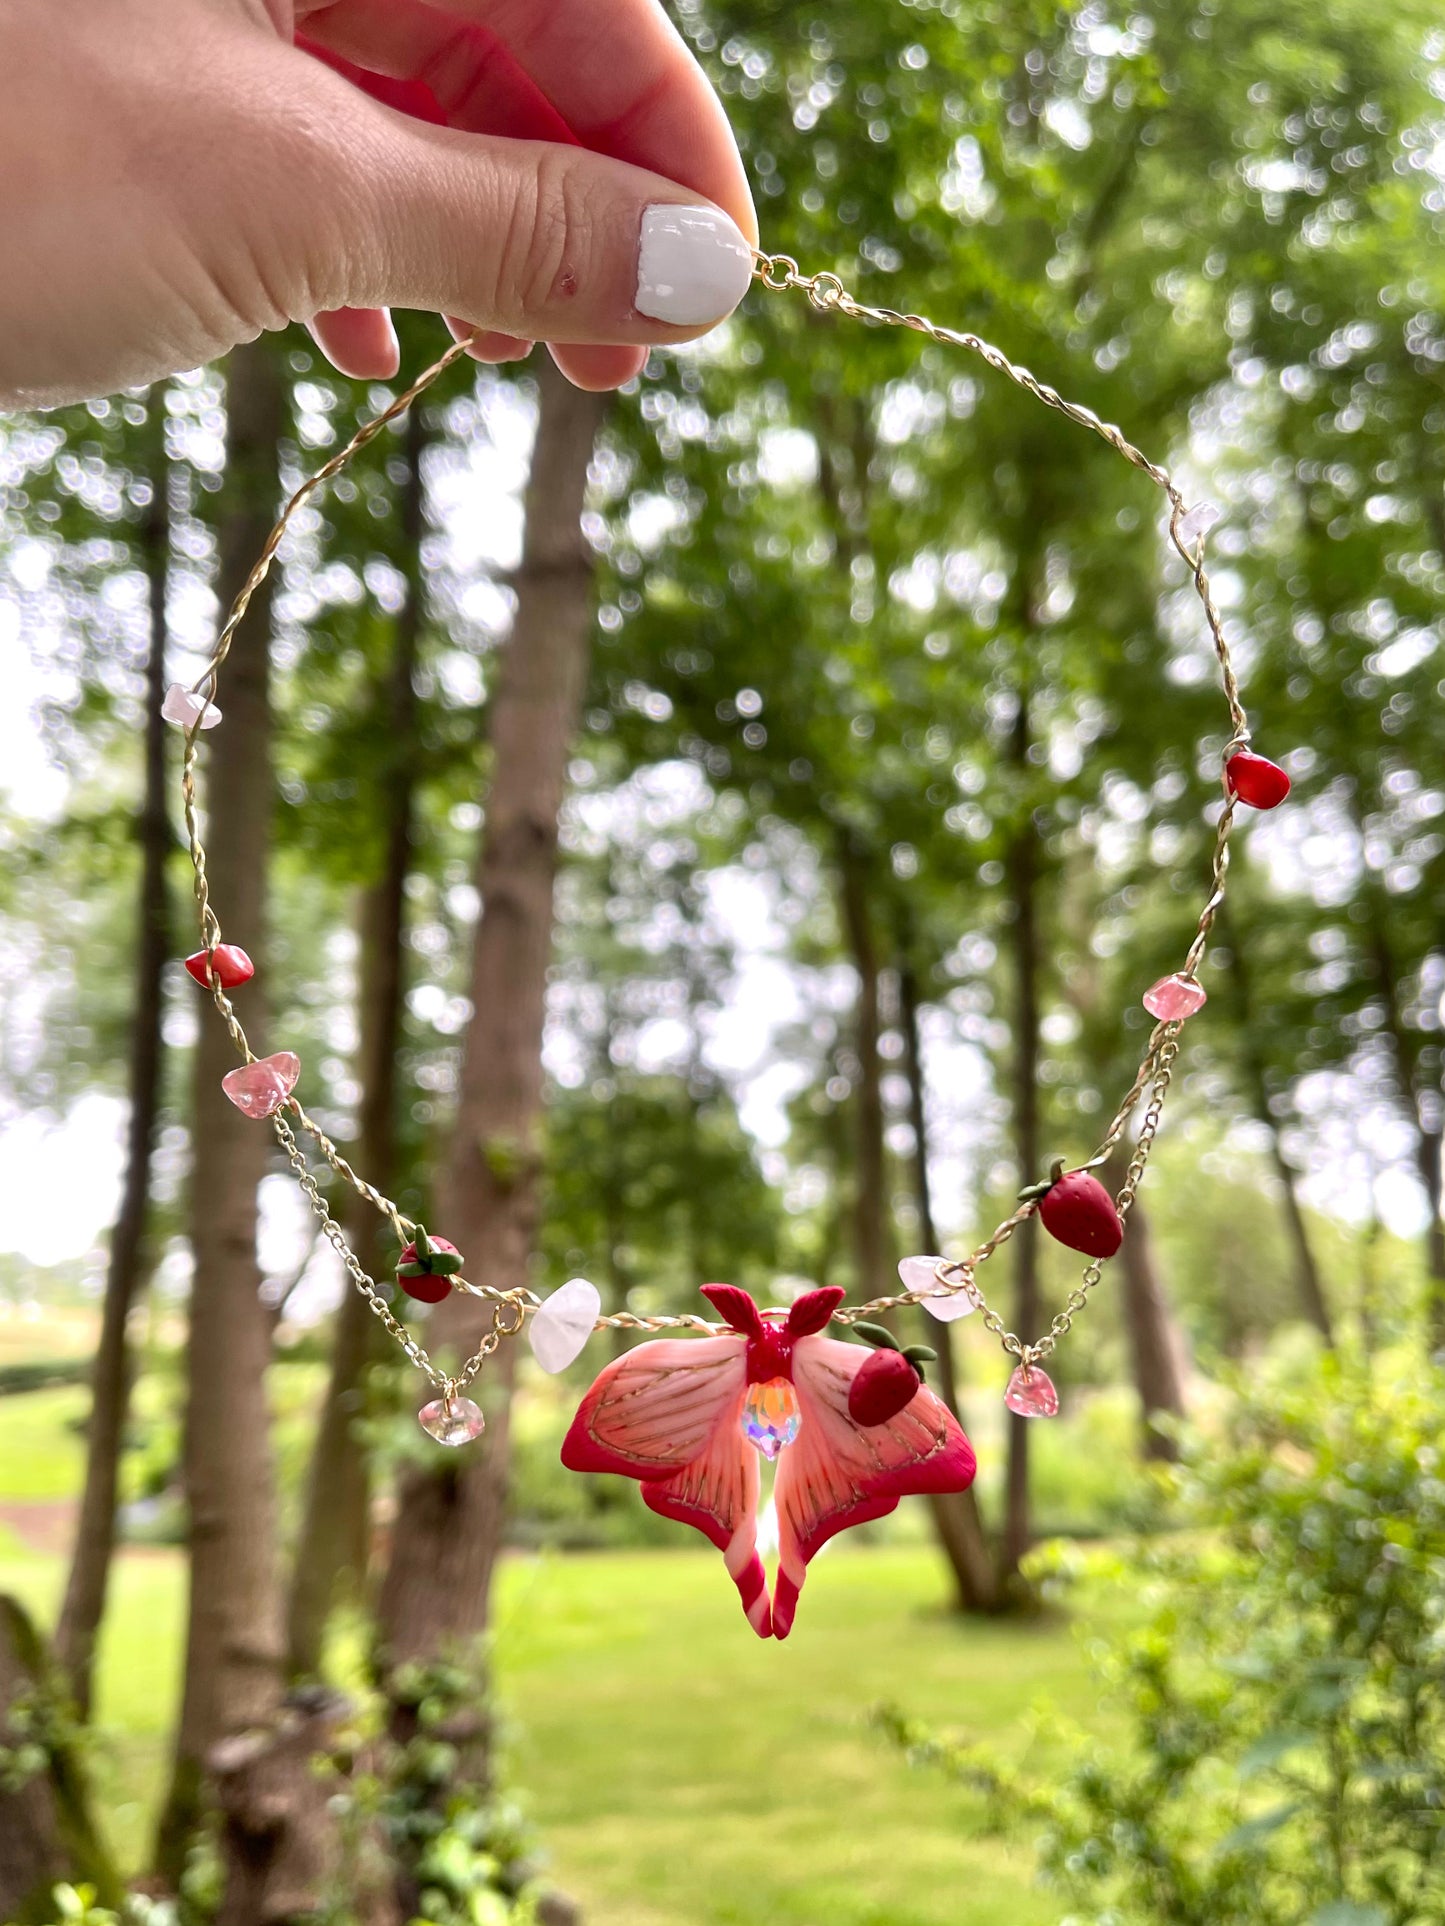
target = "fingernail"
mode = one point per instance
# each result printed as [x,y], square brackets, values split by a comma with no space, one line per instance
[692,265]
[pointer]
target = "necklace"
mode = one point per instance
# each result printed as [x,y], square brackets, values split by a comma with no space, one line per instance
[850,1428]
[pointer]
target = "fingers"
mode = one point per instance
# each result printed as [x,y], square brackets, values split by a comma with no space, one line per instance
[597,369]
[361,342]
[447,73]
[430,55]
[618,77]
[486,344]
[525,238]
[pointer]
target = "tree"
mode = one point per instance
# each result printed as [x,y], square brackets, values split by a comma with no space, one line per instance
[336,1522]
[233,1635]
[434,1594]
[85,1593]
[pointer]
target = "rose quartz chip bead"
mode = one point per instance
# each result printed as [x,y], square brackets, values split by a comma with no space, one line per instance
[563,1322]
[259,1089]
[182,708]
[921,1274]
[1173,998]
[1031,1393]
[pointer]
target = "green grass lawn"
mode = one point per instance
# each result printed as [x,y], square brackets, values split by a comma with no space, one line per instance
[681,1771]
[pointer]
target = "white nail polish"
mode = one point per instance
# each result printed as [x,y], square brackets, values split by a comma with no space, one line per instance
[693,265]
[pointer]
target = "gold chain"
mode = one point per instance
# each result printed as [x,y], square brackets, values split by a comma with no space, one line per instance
[777,274]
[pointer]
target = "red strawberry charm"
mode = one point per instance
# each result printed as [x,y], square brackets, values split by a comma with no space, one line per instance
[427,1266]
[1256,780]
[1076,1208]
[888,1381]
[229,962]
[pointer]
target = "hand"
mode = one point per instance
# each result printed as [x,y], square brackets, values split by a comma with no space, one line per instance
[180,175]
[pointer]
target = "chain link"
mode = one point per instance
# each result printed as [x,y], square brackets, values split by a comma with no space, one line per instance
[826,294]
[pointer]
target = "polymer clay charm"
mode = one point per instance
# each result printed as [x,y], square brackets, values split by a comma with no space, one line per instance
[690,1418]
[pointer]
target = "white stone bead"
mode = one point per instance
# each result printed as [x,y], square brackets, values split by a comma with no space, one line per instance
[1197,521]
[559,1328]
[182,708]
[921,1274]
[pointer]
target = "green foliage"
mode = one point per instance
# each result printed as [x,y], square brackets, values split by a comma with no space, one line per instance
[413,1811]
[42,1374]
[1286,1758]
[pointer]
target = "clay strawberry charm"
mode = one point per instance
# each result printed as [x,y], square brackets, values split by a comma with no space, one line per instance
[885,1383]
[1076,1208]
[426,1267]
[1255,780]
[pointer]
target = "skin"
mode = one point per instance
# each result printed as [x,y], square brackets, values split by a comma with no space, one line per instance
[181,175]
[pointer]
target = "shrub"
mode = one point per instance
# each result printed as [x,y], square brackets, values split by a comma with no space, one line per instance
[1286,1763]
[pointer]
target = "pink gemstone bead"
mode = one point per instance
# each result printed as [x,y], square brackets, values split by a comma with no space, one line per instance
[1031,1393]
[259,1089]
[1173,998]
[182,708]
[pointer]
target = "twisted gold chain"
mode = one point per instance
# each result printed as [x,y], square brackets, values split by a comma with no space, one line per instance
[777,274]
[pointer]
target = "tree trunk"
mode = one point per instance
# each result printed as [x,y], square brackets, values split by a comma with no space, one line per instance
[336,1526]
[275,1871]
[957,1520]
[1156,1344]
[1306,1271]
[1423,1101]
[450,1515]
[85,1591]
[46,1831]
[870,1194]
[1022,868]
[233,1640]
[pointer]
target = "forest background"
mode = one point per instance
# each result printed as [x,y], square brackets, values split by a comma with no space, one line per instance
[724,831]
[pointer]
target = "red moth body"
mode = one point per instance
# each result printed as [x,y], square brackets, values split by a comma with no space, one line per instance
[1079,1212]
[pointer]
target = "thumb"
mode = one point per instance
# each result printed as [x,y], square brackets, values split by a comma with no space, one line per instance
[528,238]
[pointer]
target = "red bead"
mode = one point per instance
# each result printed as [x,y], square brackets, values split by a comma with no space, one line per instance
[426,1289]
[230,964]
[882,1385]
[1256,780]
[428,1286]
[1079,1211]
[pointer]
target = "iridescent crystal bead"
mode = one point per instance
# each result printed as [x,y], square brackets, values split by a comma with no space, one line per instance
[562,1323]
[1031,1393]
[182,708]
[1173,998]
[452,1421]
[771,1418]
[921,1274]
[259,1089]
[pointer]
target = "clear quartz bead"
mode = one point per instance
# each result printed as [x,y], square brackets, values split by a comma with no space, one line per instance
[452,1421]
[921,1274]
[182,708]
[1196,522]
[259,1089]
[1031,1393]
[771,1416]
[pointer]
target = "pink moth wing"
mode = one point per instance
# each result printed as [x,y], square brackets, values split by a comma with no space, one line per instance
[837,1473]
[669,1413]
